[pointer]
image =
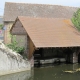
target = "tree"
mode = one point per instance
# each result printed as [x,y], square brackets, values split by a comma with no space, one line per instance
[76,19]
[1,26]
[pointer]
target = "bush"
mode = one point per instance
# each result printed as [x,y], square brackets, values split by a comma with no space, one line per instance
[14,46]
[1,26]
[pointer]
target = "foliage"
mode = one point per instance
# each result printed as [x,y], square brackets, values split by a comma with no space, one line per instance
[1,26]
[14,46]
[76,19]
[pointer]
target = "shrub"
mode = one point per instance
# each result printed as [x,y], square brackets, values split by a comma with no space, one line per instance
[14,46]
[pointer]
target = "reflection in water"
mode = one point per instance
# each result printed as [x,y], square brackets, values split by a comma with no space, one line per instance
[18,76]
[57,72]
[47,73]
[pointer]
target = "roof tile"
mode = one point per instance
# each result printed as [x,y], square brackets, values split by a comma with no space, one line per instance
[51,32]
[12,10]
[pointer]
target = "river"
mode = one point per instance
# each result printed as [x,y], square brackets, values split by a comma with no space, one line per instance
[55,72]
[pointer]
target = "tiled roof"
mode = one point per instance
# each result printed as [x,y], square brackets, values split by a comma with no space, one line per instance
[51,32]
[12,10]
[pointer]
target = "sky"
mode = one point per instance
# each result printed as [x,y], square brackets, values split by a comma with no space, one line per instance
[72,3]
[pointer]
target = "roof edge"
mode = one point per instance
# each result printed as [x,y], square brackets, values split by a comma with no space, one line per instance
[39,4]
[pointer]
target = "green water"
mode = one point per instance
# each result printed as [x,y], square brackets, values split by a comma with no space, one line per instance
[57,73]
[47,73]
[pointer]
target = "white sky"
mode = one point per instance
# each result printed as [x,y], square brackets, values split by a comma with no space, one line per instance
[74,3]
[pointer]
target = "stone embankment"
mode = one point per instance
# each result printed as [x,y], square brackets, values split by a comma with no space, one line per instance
[12,62]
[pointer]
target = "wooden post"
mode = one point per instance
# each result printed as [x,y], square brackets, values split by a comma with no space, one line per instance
[74,58]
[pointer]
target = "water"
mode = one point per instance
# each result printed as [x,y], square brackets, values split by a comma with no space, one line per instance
[57,73]
[47,73]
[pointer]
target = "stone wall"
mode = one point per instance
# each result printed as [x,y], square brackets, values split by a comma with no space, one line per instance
[7,27]
[26,75]
[11,61]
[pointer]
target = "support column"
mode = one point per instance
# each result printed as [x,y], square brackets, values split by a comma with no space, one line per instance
[74,58]
[32,61]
